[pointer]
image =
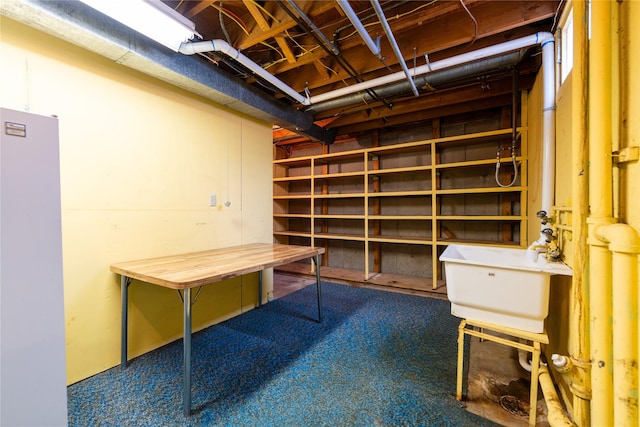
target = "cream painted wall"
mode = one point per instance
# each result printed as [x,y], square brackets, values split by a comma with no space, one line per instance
[139,159]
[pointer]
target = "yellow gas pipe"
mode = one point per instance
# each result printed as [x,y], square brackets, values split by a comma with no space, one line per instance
[624,243]
[556,416]
[600,202]
[614,248]
[579,378]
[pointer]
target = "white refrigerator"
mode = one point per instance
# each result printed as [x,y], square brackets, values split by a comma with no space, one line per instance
[33,388]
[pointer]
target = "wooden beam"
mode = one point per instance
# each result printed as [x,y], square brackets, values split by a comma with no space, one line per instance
[256,14]
[281,27]
[286,49]
[195,9]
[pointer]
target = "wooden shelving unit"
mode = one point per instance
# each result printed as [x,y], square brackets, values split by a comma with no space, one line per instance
[414,197]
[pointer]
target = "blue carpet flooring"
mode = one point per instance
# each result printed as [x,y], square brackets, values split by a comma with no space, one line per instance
[377,359]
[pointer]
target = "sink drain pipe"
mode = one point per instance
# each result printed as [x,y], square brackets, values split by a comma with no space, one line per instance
[556,415]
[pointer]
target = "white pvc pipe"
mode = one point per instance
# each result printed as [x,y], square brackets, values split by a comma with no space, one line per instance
[222,46]
[523,42]
[549,125]
[548,135]
[351,14]
[523,359]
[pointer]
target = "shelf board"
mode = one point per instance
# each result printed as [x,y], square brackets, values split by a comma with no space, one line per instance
[399,170]
[480,218]
[294,162]
[340,156]
[327,176]
[476,137]
[339,196]
[400,217]
[342,216]
[389,282]
[292,196]
[292,215]
[480,190]
[405,147]
[332,236]
[484,162]
[292,233]
[399,281]
[399,239]
[286,179]
[412,193]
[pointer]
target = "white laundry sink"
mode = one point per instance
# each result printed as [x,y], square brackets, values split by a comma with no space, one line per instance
[503,286]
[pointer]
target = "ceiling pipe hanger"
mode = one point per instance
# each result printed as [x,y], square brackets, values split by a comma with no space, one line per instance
[332,50]
[394,44]
[313,26]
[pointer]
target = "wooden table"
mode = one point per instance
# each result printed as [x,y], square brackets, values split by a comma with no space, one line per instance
[194,270]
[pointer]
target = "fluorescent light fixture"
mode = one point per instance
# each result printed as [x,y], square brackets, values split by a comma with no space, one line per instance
[152,18]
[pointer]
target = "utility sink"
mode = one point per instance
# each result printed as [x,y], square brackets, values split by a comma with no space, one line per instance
[503,286]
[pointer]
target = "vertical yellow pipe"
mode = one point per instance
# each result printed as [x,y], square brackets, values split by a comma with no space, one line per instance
[578,344]
[630,22]
[624,242]
[600,202]
[625,245]
[625,340]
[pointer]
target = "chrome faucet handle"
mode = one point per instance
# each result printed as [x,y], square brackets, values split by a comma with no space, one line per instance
[541,214]
[544,219]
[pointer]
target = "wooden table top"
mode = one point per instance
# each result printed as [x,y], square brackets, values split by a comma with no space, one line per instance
[201,268]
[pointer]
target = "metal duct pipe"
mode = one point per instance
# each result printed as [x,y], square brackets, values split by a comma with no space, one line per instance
[374,46]
[500,48]
[221,46]
[435,79]
[394,44]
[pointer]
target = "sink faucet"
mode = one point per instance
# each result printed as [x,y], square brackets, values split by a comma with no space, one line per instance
[535,249]
[545,242]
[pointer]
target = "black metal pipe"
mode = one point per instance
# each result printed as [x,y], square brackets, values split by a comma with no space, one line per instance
[338,56]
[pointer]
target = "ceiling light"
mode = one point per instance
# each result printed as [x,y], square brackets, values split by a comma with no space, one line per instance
[152,18]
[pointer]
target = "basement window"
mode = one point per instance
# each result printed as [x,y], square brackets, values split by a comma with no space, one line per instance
[566,47]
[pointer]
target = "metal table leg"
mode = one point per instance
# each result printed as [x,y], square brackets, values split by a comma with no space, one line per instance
[186,381]
[259,288]
[316,260]
[124,285]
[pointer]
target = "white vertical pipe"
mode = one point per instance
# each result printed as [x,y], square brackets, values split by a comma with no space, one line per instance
[549,125]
